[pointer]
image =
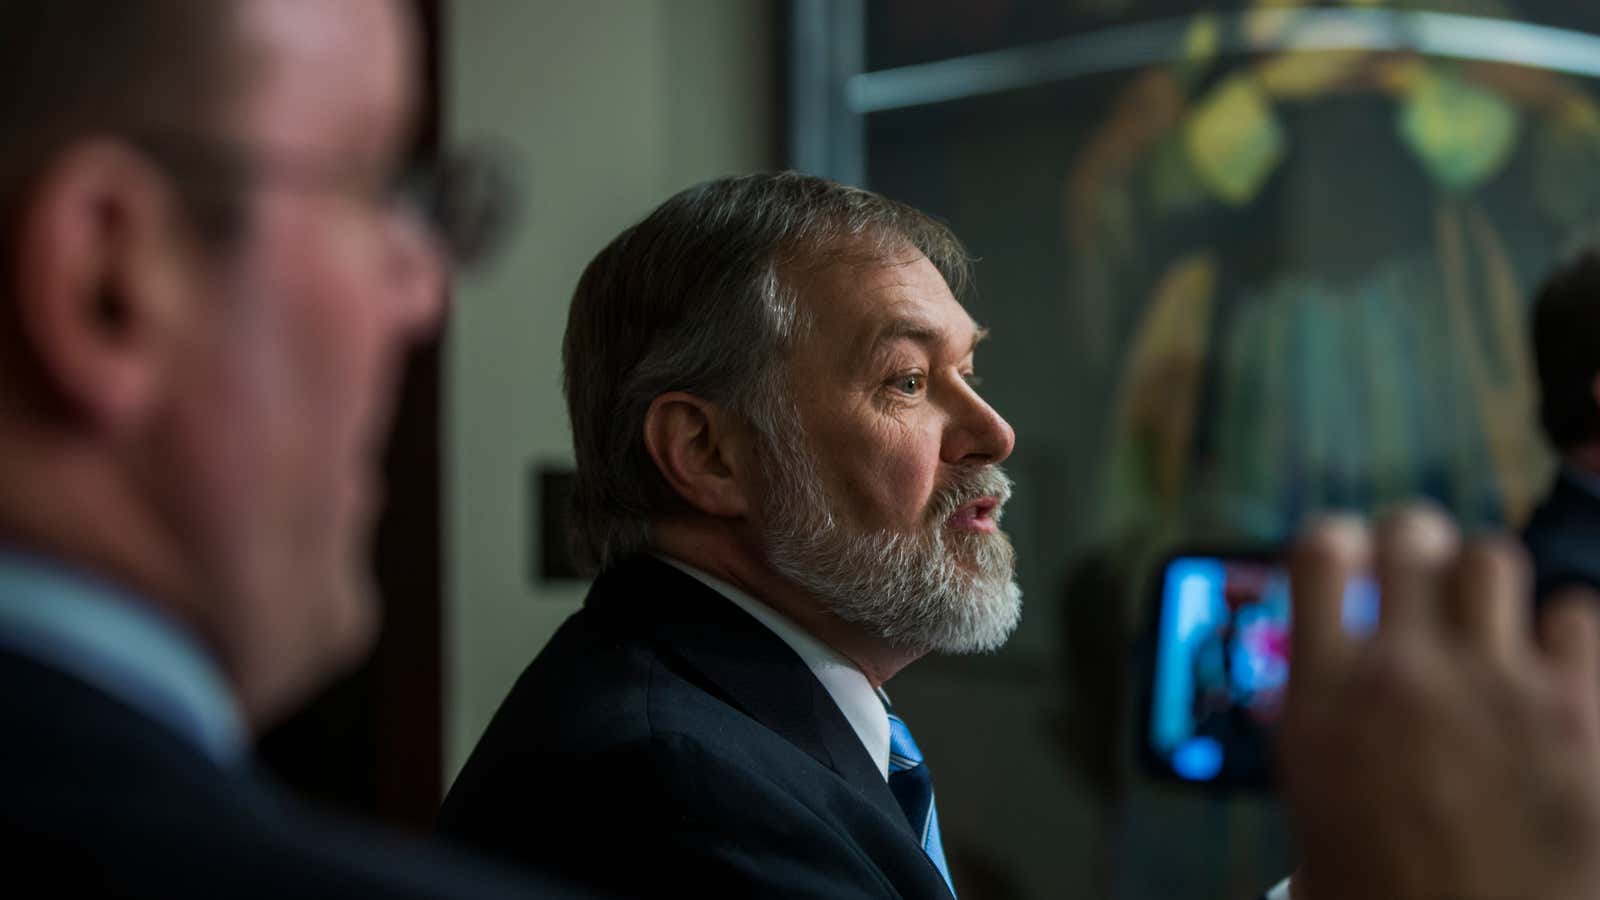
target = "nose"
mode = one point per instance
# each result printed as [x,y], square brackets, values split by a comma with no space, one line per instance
[416,273]
[976,434]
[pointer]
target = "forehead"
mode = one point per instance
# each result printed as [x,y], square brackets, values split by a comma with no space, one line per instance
[854,305]
[328,74]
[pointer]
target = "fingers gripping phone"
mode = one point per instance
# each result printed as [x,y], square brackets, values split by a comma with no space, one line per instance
[1216,663]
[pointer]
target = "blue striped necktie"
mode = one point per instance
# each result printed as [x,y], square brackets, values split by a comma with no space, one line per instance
[912,785]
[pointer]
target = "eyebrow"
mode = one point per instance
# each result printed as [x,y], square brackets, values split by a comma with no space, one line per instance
[919,331]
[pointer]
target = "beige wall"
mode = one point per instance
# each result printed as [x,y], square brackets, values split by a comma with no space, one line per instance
[610,106]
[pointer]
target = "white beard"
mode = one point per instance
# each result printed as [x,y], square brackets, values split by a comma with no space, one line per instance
[933,590]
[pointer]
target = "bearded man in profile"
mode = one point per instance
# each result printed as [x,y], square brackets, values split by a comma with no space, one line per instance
[791,488]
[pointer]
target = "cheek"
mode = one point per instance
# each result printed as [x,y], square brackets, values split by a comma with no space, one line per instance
[331,334]
[893,471]
[913,471]
[295,384]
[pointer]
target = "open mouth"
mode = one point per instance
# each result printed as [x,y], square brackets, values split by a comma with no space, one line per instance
[982,514]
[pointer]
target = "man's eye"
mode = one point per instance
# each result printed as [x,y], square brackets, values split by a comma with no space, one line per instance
[908,384]
[973,379]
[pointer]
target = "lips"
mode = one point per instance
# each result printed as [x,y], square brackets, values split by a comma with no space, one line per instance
[981,515]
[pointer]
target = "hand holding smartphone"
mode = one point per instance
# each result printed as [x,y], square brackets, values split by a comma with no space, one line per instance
[1218,663]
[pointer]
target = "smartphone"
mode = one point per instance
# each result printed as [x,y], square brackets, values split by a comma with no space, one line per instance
[1217,663]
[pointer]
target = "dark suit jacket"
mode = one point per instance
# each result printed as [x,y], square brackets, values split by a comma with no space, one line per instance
[667,742]
[1564,538]
[97,800]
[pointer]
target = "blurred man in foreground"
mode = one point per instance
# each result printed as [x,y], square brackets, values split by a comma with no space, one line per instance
[208,287]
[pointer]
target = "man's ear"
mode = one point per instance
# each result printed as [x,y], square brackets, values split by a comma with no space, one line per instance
[702,452]
[98,283]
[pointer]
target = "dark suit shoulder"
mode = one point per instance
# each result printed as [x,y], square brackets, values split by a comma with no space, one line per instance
[666,737]
[670,814]
[613,673]
[105,800]
[1563,539]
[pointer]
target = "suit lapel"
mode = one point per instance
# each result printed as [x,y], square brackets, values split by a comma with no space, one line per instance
[851,759]
[746,664]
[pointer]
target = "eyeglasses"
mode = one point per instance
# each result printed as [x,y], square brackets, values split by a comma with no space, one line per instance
[468,198]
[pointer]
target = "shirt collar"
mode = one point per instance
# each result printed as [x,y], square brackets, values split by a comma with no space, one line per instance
[849,688]
[120,645]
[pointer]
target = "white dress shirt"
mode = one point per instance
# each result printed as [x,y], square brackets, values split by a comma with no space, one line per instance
[849,688]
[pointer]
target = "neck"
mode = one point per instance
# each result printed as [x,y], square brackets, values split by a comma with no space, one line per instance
[67,502]
[717,548]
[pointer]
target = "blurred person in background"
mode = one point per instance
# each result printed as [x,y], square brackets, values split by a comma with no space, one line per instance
[209,285]
[1564,533]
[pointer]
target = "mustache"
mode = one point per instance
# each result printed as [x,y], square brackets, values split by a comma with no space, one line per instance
[968,484]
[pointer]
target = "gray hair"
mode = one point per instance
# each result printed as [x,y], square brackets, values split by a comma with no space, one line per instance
[701,297]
